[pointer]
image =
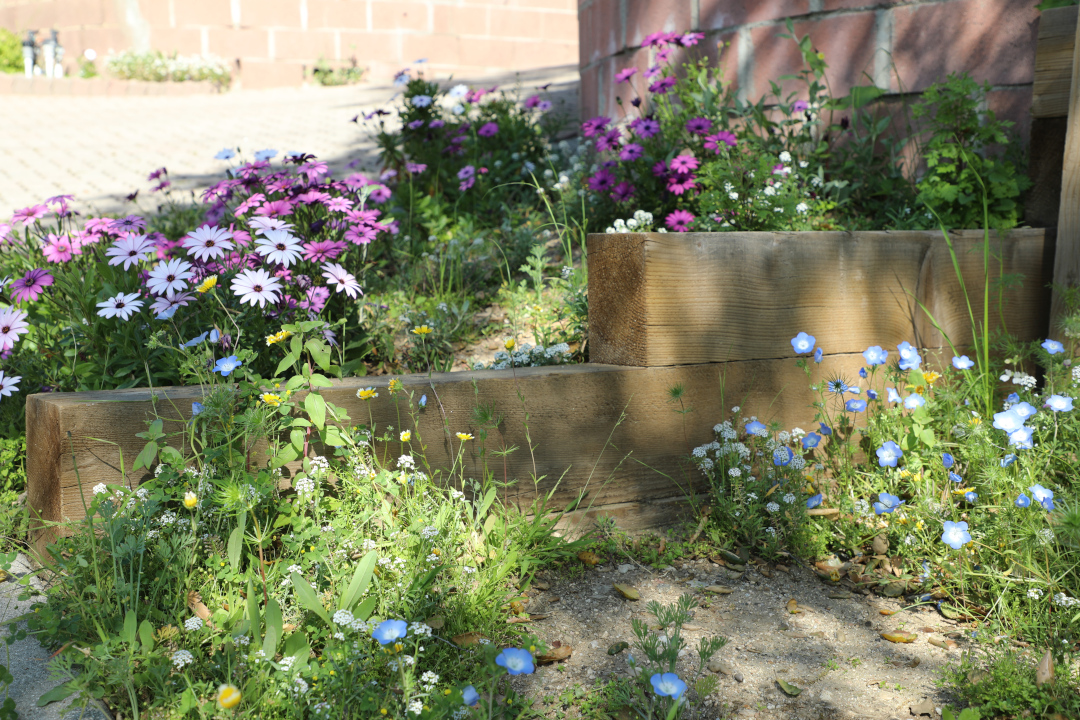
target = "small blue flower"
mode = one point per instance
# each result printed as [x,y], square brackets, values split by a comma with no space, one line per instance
[1022,438]
[971,496]
[803,343]
[1059,403]
[1008,460]
[196,408]
[855,390]
[947,460]
[1009,421]
[854,405]
[956,534]
[811,441]
[227,365]
[1043,496]
[782,456]
[225,154]
[390,630]
[423,401]
[894,397]
[887,504]
[875,355]
[818,354]
[469,696]
[837,386]
[668,685]
[1012,399]
[813,502]
[516,661]
[196,340]
[914,400]
[214,335]
[1024,410]
[1023,501]
[167,313]
[825,429]
[1053,347]
[756,427]
[955,478]
[862,372]
[888,454]
[909,356]
[872,394]
[963,363]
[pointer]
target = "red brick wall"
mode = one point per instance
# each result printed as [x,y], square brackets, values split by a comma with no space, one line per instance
[899,45]
[277,41]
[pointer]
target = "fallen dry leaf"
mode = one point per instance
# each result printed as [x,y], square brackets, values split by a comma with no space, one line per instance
[788,688]
[516,607]
[1044,671]
[925,707]
[900,637]
[793,607]
[718,590]
[589,558]
[435,622]
[557,653]
[943,643]
[627,591]
[469,638]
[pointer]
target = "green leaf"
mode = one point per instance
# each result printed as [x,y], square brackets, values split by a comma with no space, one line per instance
[57,694]
[366,608]
[131,626]
[318,380]
[236,543]
[332,437]
[274,626]
[284,456]
[307,597]
[253,609]
[361,578]
[295,347]
[147,456]
[296,437]
[146,635]
[188,701]
[286,362]
[169,454]
[316,409]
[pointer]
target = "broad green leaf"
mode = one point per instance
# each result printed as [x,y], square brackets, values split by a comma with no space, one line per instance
[361,578]
[253,610]
[317,380]
[296,437]
[295,346]
[147,456]
[332,436]
[366,608]
[286,362]
[284,456]
[274,626]
[131,626]
[57,694]
[146,635]
[307,597]
[170,455]
[236,543]
[297,646]
[294,382]
[316,409]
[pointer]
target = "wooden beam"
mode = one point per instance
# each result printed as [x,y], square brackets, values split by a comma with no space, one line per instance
[661,299]
[1067,255]
[1052,87]
[609,432]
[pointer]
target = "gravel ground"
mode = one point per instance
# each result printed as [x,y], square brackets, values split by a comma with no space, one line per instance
[833,649]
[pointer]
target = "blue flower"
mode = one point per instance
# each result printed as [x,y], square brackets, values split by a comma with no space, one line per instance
[887,503]
[817,355]
[909,356]
[225,154]
[469,696]
[914,400]
[1024,410]
[1008,460]
[803,343]
[947,460]
[167,313]
[971,496]
[955,478]
[390,630]
[855,390]
[862,372]
[875,355]
[894,397]
[825,429]
[837,386]
[196,340]
[227,365]
[872,394]
[516,661]
[1043,496]
[668,685]
[1009,421]
[1013,398]
[423,401]
[963,363]
[811,440]
[1021,438]
[782,456]
[813,502]
[854,405]
[888,454]
[756,427]
[1053,347]
[1023,501]
[1059,403]
[196,408]
[956,534]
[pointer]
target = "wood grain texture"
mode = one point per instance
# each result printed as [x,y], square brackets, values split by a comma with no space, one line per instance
[1067,256]
[574,421]
[719,297]
[1054,63]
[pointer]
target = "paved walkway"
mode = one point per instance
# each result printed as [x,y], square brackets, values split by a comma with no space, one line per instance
[100,149]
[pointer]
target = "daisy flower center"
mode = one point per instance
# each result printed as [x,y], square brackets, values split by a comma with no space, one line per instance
[257,288]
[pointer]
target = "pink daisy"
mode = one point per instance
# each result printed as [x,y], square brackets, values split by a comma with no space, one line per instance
[361,234]
[29,214]
[8,384]
[684,163]
[278,246]
[129,250]
[12,325]
[336,275]
[323,250]
[168,278]
[58,249]
[130,223]
[315,299]
[31,285]
[314,169]
[122,306]
[338,204]
[208,242]
[256,286]
[164,307]
[276,207]
[253,201]
[679,221]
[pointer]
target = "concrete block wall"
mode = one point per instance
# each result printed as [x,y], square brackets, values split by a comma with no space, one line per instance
[278,42]
[901,46]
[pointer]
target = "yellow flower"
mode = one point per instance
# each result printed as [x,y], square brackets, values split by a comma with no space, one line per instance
[509,344]
[278,337]
[367,393]
[931,377]
[272,399]
[919,525]
[190,500]
[208,284]
[422,330]
[228,696]
[406,435]
[975,420]
[395,386]
[464,436]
